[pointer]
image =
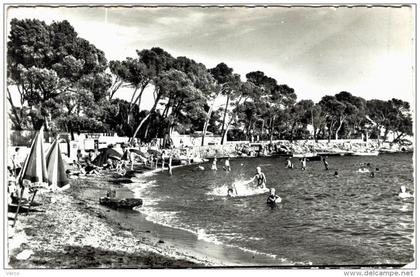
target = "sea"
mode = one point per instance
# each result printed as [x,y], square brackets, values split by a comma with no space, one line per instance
[351,219]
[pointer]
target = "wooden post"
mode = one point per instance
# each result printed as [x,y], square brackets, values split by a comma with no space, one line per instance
[18,207]
[30,203]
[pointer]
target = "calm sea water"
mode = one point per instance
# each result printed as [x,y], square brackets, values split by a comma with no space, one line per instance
[322,220]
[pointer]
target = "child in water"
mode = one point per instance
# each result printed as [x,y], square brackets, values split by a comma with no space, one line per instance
[230,193]
[273,198]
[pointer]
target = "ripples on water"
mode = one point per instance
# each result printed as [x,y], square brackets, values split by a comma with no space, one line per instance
[352,219]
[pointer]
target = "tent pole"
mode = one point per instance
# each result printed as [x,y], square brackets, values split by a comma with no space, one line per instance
[18,207]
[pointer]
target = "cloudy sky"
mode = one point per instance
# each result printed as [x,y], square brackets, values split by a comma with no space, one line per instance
[317,51]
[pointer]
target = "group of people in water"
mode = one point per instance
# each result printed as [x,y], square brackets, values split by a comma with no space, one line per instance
[261,179]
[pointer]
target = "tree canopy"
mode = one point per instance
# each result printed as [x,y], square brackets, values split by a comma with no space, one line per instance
[66,84]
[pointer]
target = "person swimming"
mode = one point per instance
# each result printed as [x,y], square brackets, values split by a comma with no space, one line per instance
[230,193]
[403,193]
[372,174]
[363,169]
[214,164]
[260,177]
[273,198]
[336,174]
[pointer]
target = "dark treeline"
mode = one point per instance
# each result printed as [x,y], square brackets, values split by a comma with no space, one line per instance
[66,83]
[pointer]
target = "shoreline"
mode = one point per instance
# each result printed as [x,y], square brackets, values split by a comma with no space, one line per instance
[83,238]
[74,231]
[93,236]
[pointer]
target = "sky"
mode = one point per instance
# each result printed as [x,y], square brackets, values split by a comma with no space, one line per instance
[368,52]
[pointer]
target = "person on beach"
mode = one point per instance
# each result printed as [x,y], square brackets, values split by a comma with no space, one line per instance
[303,163]
[126,156]
[324,161]
[109,164]
[227,165]
[260,177]
[273,198]
[16,162]
[12,189]
[79,157]
[214,164]
[90,168]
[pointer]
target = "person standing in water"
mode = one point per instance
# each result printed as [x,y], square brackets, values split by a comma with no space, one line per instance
[260,177]
[227,165]
[324,161]
[170,165]
[214,165]
[303,162]
[289,163]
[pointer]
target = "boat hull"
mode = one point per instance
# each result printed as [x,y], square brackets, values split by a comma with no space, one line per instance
[126,203]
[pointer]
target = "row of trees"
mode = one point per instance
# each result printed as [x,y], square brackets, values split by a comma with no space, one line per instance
[66,83]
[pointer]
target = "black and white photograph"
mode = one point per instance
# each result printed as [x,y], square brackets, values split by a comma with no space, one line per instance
[204,136]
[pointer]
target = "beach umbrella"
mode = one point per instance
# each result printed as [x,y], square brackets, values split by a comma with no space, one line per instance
[105,154]
[56,167]
[34,168]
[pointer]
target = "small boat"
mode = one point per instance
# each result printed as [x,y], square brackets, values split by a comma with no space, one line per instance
[115,203]
[371,153]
